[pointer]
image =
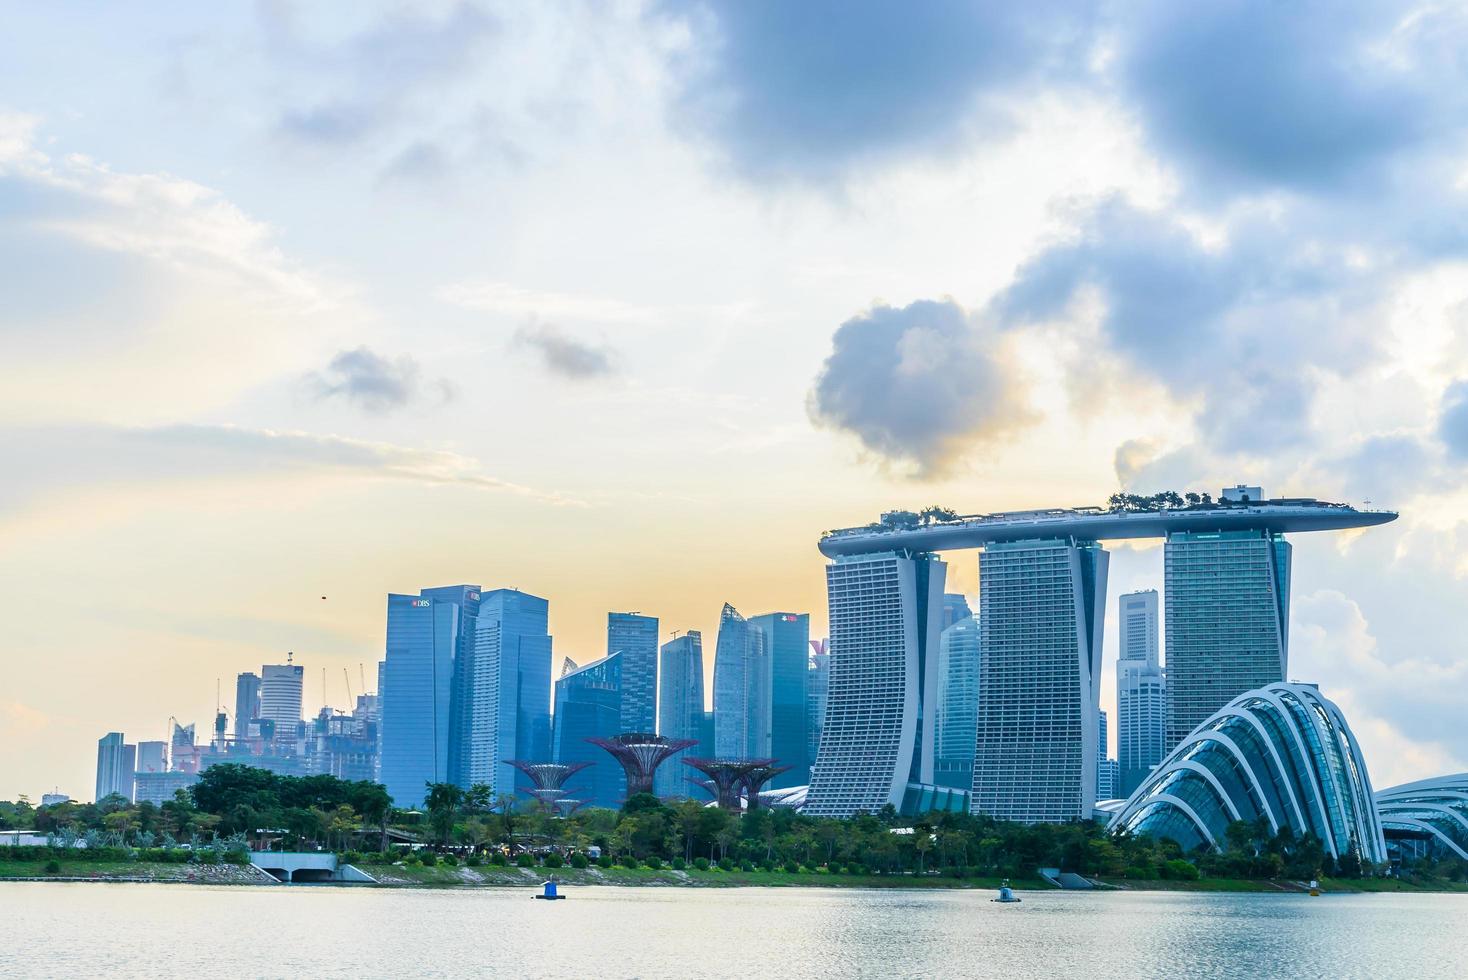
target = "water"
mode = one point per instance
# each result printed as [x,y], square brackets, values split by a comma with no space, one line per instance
[56,929]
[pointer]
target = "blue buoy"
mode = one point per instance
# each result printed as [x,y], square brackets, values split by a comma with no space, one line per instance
[548,891]
[1006,894]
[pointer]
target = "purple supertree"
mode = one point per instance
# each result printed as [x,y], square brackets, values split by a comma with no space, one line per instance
[640,754]
[726,777]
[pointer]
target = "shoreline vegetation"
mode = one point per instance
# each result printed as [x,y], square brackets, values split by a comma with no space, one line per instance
[468,838]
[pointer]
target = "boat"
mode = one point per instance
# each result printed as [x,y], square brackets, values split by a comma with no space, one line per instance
[1006,894]
[548,892]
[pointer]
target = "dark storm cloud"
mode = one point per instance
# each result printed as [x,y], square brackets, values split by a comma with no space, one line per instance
[805,90]
[917,384]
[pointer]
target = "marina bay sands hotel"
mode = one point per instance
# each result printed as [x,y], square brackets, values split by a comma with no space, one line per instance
[1042,596]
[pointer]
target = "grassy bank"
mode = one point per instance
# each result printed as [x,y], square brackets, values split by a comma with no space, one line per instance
[412,875]
[1332,885]
[81,868]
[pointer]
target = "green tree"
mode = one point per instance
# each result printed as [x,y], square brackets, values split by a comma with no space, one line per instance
[442,803]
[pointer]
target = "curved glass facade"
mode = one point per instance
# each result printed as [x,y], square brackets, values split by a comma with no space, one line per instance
[1283,754]
[1433,810]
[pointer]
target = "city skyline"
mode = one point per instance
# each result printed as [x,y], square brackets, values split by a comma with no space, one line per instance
[624,305]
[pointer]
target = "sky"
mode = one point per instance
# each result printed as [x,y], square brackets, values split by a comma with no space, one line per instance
[625,303]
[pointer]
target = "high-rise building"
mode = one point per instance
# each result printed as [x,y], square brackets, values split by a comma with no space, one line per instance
[280,698]
[878,737]
[116,763]
[1105,767]
[152,757]
[955,608]
[741,689]
[417,681]
[1041,611]
[516,624]
[635,637]
[464,682]
[680,705]
[817,683]
[246,703]
[1141,709]
[787,660]
[958,703]
[1228,603]
[589,705]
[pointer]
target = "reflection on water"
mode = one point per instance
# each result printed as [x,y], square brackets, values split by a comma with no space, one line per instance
[176,930]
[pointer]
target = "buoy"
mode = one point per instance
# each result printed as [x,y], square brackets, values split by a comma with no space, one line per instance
[1314,888]
[1006,894]
[548,892]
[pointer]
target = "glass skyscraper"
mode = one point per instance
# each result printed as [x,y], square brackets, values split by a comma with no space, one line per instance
[787,644]
[680,707]
[116,763]
[1041,610]
[635,637]
[462,723]
[741,689]
[886,609]
[246,703]
[1141,708]
[417,681]
[1227,624]
[516,624]
[280,698]
[958,703]
[589,704]
[817,683]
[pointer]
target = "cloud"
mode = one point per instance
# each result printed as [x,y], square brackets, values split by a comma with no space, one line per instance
[505,299]
[1452,426]
[563,354]
[58,459]
[373,382]
[919,385]
[807,90]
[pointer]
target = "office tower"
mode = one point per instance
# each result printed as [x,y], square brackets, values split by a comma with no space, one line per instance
[515,626]
[1041,611]
[152,757]
[462,684]
[1105,767]
[344,746]
[116,763]
[958,704]
[1227,624]
[589,705]
[955,608]
[680,705]
[741,689]
[787,660]
[421,637]
[1141,708]
[635,637]
[280,698]
[815,699]
[246,703]
[878,737]
[183,749]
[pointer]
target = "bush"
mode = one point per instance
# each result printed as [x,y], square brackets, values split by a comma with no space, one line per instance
[656,863]
[554,861]
[427,859]
[726,864]
[579,860]
[351,857]
[792,866]
[628,861]
[605,861]
[767,865]
[1140,873]
[53,867]
[1180,870]
[702,864]
[834,867]
[746,865]
[450,860]
[474,861]
[679,864]
[524,861]
[498,858]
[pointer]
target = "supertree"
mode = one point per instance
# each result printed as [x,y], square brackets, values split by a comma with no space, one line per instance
[726,777]
[549,778]
[755,779]
[640,754]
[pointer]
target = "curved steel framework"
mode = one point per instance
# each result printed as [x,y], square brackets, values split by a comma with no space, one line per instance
[1282,754]
[640,754]
[549,779]
[726,777]
[1434,811]
[755,779]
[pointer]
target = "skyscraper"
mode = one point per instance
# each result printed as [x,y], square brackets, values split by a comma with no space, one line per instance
[635,637]
[955,608]
[116,763]
[1041,610]
[246,703]
[152,757]
[741,689]
[417,681]
[1105,767]
[280,698]
[786,643]
[878,737]
[817,684]
[518,623]
[680,705]
[463,682]
[589,705]
[958,702]
[1227,624]
[1141,709]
